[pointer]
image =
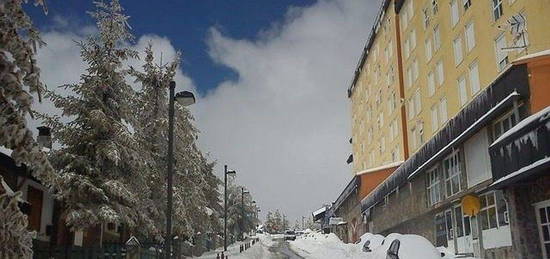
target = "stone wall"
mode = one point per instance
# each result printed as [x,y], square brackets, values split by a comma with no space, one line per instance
[523,221]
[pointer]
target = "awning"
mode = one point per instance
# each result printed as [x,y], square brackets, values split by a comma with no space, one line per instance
[535,169]
[319,214]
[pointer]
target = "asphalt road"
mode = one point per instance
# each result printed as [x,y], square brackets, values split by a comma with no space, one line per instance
[283,251]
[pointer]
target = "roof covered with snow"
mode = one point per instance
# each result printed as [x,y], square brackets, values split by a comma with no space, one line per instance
[376,169]
[539,116]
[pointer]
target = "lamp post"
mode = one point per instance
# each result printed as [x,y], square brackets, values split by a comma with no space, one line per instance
[225,173]
[243,192]
[184,98]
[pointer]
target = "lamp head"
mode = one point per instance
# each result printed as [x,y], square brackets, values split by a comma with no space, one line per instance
[185,98]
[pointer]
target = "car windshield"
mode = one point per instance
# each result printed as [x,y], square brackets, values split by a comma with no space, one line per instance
[290,232]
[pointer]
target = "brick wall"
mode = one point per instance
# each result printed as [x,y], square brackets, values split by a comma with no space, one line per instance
[523,222]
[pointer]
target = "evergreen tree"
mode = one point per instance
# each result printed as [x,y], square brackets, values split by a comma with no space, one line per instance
[19,78]
[99,161]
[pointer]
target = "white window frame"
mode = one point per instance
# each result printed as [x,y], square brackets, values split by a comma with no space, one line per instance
[473,74]
[417,102]
[415,69]
[437,38]
[497,9]
[457,49]
[487,208]
[435,117]
[413,39]
[443,116]
[462,91]
[440,72]
[502,59]
[469,36]
[455,13]
[546,205]
[508,118]
[428,49]
[431,83]
[433,182]
[453,172]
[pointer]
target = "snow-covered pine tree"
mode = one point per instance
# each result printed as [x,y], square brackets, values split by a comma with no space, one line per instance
[19,78]
[99,162]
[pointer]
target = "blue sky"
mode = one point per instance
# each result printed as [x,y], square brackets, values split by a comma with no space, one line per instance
[186,23]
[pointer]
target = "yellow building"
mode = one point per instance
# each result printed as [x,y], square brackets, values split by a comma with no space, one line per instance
[375,98]
[425,60]
[452,50]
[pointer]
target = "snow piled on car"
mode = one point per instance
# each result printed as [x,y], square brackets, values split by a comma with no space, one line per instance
[320,246]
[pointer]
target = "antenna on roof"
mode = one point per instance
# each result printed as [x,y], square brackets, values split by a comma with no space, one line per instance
[517,27]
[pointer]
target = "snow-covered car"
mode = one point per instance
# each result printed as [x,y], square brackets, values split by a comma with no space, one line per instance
[368,242]
[290,235]
[397,246]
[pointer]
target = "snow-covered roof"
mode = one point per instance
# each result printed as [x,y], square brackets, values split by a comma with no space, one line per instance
[375,169]
[523,170]
[467,131]
[541,115]
[319,211]
[528,57]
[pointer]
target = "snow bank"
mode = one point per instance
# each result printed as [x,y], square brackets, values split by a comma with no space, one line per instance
[327,246]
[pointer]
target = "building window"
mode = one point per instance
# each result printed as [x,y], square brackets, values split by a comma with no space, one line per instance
[442,111]
[417,102]
[411,108]
[435,7]
[453,173]
[497,9]
[462,93]
[466,4]
[413,39]
[457,47]
[469,34]
[428,49]
[415,70]
[474,78]
[462,223]
[433,186]
[409,77]
[454,13]
[543,220]
[437,38]
[431,83]
[435,120]
[503,124]
[426,13]
[488,211]
[440,72]
[501,54]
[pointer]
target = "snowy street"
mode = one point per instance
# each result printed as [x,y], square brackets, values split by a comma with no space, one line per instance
[269,247]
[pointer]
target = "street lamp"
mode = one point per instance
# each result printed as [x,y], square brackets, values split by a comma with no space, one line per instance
[225,173]
[243,192]
[184,98]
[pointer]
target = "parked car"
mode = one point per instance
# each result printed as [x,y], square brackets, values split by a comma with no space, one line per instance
[290,235]
[397,246]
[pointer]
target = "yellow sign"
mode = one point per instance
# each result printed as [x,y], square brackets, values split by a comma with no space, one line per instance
[471,205]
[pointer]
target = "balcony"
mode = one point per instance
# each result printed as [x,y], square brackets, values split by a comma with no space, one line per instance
[523,152]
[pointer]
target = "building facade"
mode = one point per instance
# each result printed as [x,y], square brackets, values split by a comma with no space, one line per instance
[468,74]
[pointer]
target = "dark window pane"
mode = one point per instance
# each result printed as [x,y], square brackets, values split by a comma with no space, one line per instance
[483,201]
[459,225]
[490,199]
[484,222]
[467,228]
[547,250]
[502,209]
[547,213]
[546,233]
[492,217]
[542,213]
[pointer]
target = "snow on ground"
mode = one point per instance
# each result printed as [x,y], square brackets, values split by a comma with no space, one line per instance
[258,250]
[316,245]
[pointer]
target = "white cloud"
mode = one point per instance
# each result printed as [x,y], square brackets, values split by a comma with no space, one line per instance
[284,124]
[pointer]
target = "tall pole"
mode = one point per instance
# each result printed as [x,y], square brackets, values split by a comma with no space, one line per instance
[169,190]
[242,213]
[225,209]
